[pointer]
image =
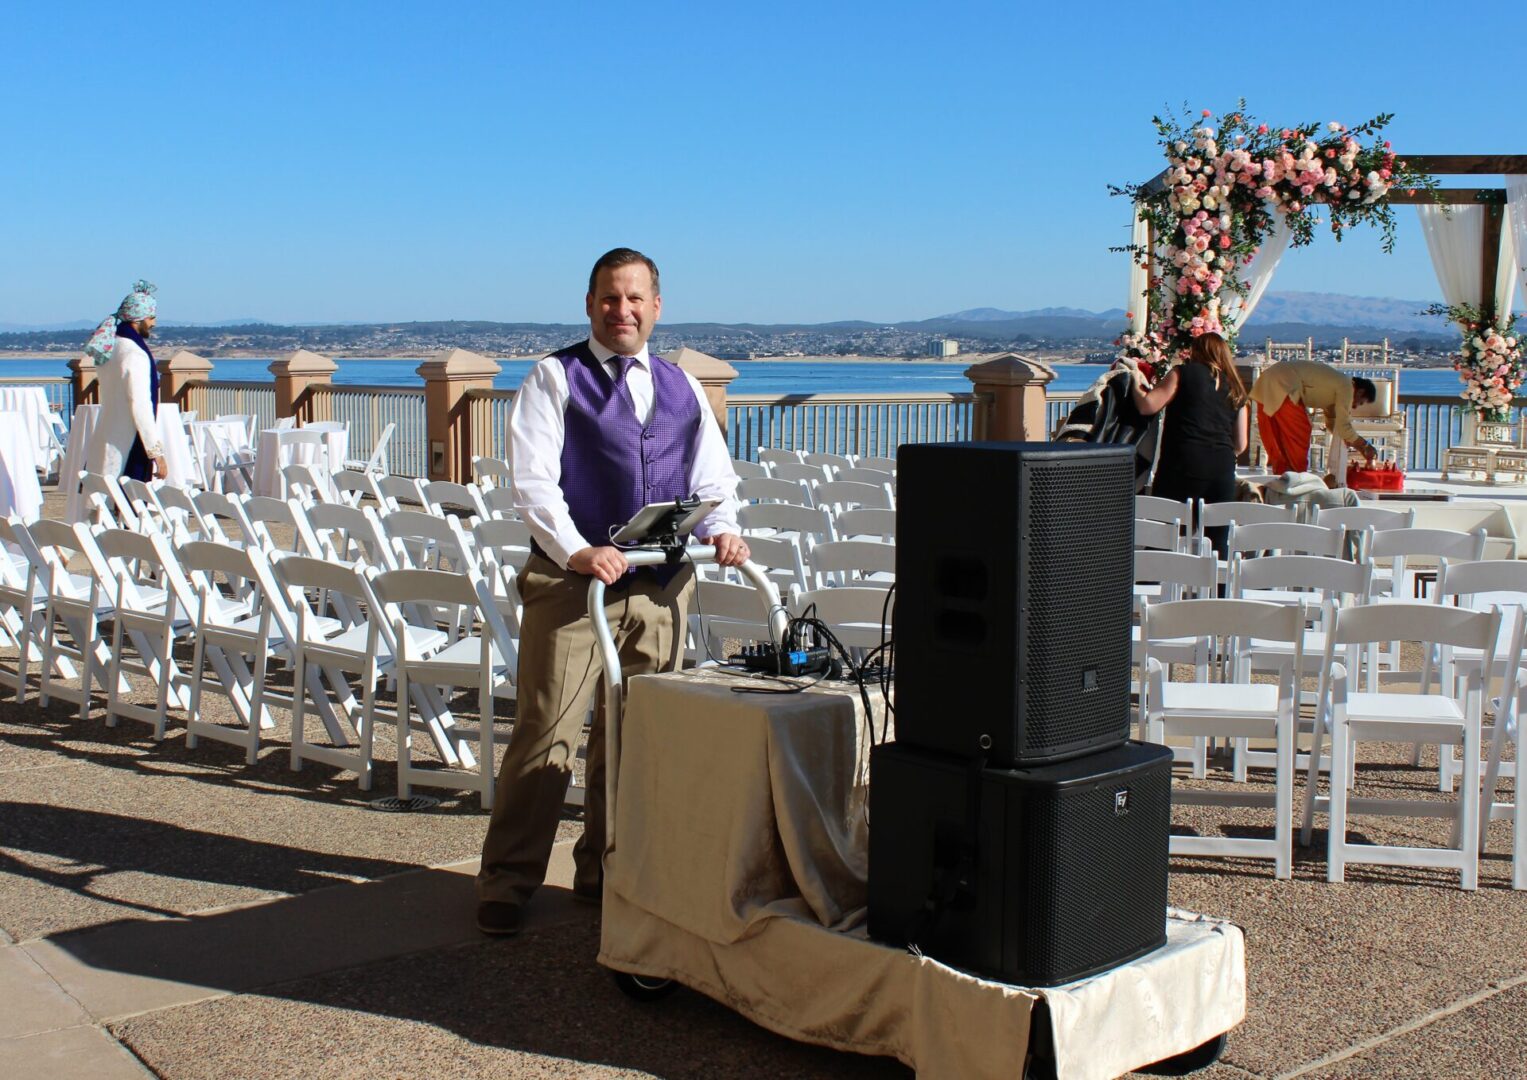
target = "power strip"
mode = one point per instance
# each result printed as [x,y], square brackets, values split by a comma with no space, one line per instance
[767,658]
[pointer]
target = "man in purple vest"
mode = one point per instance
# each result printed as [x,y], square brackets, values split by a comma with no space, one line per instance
[597,431]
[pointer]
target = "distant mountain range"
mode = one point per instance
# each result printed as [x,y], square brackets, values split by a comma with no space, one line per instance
[1285,316]
[1327,317]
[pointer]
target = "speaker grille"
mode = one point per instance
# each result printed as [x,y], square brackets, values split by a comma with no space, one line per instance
[1076,605]
[1106,871]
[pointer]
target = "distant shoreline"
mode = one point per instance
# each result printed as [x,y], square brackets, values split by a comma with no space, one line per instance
[240,354]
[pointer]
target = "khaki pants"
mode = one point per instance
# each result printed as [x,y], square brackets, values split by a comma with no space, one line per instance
[559,674]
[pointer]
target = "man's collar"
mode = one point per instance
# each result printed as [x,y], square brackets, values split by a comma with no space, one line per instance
[604,355]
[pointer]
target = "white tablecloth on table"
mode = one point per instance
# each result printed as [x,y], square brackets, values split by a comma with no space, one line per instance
[172,433]
[271,456]
[36,418]
[20,493]
[233,433]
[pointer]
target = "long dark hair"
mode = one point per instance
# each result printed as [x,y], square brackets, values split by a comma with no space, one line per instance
[1214,351]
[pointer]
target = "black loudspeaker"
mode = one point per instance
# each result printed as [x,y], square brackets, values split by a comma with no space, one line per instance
[1034,876]
[1014,592]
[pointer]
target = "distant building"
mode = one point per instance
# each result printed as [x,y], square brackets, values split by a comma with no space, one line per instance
[943,347]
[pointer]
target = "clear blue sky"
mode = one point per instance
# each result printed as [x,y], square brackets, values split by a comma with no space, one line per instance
[788,161]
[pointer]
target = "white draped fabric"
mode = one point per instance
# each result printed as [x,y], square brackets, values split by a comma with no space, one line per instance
[1516,225]
[1235,309]
[1139,276]
[1454,241]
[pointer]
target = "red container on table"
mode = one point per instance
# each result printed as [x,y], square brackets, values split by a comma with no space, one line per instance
[1384,476]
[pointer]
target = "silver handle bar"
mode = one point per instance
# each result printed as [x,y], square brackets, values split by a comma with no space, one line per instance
[609,657]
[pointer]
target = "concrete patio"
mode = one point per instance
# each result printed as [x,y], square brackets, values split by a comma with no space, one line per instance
[173,912]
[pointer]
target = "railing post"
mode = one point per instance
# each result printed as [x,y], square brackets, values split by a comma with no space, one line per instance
[1010,398]
[83,368]
[713,375]
[448,411]
[294,374]
[175,373]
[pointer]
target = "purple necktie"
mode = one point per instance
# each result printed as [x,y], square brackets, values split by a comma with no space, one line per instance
[623,366]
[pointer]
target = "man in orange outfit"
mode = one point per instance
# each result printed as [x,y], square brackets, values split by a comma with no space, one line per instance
[1284,394]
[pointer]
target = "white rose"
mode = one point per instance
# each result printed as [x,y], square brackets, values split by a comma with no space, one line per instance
[1333,126]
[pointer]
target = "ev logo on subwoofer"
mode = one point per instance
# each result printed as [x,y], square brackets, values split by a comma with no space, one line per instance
[1121,802]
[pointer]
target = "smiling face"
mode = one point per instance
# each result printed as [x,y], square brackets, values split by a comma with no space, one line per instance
[623,308]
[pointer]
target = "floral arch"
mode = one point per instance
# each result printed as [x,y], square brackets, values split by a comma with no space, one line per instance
[1211,228]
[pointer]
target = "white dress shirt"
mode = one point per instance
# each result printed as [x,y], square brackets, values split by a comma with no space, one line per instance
[536,432]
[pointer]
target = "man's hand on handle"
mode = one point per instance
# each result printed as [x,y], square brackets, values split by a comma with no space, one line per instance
[731,550]
[605,563]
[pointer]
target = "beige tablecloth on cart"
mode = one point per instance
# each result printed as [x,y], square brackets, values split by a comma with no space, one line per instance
[739,868]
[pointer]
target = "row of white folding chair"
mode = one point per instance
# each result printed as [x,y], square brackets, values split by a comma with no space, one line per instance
[860,617]
[141,584]
[835,495]
[1244,709]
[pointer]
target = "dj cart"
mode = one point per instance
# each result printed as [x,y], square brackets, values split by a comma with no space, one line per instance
[800,962]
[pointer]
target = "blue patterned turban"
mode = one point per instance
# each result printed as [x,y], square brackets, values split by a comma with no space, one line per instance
[138,304]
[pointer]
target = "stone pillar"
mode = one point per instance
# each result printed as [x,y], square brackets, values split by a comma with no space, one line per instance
[447,410]
[713,375]
[1010,391]
[295,373]
[83,368]
[180,369]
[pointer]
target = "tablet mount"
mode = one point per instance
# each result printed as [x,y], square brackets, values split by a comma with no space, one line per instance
[662,527]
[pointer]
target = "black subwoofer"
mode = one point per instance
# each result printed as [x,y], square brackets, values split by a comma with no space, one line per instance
[1035,876]
[1014,583]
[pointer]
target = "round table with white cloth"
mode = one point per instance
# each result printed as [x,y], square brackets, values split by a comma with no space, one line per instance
[40,421]
[172,433]
[20,493]
[272,455]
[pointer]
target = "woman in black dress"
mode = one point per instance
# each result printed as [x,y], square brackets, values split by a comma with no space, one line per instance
[1205,429]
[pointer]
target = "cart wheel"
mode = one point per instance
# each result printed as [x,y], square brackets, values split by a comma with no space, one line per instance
[642,987]
[1200,1057]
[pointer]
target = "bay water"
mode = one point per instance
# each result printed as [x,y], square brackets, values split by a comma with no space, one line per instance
[753,376]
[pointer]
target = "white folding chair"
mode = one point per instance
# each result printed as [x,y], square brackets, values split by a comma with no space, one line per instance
[351,534]
[770,457]
[75,604]
[839,495]
[799,471]
[833,462]
[1480,586]
[1283,538]
[1167,576]
[441,496]
[110,505]
[307,482]
[723,611]
[769,489]
[748,470]
[880,464]
[23,596]
[866,522]
[223,517]
[867,563]
[350,487]
[356,648]
[152,608]
[1157,536]
[1441,718]
[291,534]
[491,472]
[376,461]
[1507,730]
[398,492]
[299,446]
[859,617]
[500,502]
[1237,708]
[483,658]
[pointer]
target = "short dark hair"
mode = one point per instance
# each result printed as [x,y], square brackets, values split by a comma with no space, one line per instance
[1365,388]
[623,256]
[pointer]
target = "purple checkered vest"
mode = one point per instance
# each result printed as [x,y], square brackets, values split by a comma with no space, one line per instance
[612,466]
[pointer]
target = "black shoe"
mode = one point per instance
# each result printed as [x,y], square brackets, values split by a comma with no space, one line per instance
[587,893]
[499,918]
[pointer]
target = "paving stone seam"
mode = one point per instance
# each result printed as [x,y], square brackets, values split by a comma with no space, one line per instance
[62,989]
[49,765]
[1405,1029]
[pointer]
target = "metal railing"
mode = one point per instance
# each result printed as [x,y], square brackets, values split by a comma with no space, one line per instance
[58,389]
[367,410]
[488,413]
[209,400]
[873,424]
